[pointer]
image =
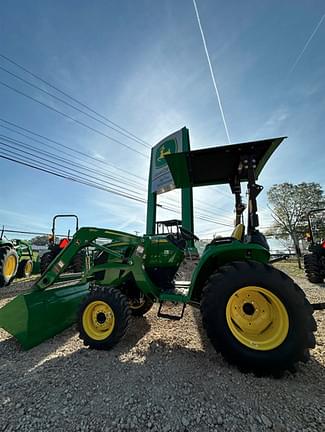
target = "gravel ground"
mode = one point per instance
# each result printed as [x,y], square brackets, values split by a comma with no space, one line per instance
[163,376]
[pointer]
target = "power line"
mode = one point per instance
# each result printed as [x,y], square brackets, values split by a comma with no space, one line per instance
[67,176]
[51,95]
[57,143]
[71,118]
[23,144]
[62,174]
[126,133]
[68,148]
[72,106]
[59,99]
[121,181]
[62,165]
[70,97]
[31,232]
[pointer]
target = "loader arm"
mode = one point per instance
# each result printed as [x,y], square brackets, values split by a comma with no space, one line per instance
[48,308]
[84,237]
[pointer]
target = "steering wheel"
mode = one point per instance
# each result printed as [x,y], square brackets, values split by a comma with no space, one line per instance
[188,235]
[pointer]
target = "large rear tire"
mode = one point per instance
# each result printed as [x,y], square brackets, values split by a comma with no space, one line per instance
[103,318]
[8,265]
[258,318]
[313,268]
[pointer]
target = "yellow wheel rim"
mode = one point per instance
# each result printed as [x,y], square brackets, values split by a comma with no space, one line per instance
[98,320]
[10,266]
[28,268]
[257,318]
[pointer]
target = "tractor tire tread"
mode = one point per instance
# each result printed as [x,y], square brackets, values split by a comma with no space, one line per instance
[223,283]
[115,298]
[21,268]
[313,268]
[3,253]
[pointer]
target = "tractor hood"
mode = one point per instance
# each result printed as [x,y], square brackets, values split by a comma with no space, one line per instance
[219,165]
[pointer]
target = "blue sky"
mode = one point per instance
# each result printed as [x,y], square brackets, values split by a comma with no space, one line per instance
[142,64]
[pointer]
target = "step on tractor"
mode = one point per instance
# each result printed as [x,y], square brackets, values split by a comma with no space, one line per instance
[314,261]
[56,244]
[254,315]
[16,259]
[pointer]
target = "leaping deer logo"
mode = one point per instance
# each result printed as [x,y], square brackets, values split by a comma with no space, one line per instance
[163,153]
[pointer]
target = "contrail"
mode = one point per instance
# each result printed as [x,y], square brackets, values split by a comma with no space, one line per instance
[211,70]
[306,44]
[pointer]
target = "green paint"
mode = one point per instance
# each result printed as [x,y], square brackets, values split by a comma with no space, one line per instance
[34,317]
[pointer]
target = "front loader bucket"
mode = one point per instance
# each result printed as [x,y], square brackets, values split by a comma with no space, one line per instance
[39,315]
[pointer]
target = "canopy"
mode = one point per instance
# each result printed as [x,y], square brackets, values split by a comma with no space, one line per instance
[219,165]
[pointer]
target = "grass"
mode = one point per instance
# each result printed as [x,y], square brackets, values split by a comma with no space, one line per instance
[290,267]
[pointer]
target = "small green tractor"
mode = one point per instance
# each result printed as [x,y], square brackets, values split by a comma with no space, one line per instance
[314,262]
[255,315]
[16,259]
[55,246]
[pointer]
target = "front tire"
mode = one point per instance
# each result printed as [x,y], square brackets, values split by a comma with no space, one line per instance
[103,318]
[257,317]
[25,268]
[8,265]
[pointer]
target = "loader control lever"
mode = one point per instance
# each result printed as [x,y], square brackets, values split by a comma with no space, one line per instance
[188,235]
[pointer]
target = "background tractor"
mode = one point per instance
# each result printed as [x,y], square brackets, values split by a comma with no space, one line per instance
[314,262]
[16,259]
[254,314]
[56,245]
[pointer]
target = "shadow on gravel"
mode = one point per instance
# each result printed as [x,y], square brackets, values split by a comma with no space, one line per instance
[11,353]
[99,388]
[15,289]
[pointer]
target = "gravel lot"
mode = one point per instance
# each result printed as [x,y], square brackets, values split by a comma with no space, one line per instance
[164,376]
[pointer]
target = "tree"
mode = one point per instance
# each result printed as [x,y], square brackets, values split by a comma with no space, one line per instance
[290,204]
[40,240]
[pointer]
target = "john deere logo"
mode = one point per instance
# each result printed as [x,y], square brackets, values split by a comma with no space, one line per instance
[168,147]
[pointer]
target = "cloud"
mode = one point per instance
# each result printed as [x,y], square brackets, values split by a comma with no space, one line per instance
[25,221]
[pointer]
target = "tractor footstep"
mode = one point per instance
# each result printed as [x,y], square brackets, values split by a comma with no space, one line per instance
[168,316]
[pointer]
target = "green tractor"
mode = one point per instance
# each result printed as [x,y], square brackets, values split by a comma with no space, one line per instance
[314,262]
[254,314]
[16,259]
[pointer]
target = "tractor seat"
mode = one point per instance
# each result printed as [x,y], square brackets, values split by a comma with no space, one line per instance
[238,232]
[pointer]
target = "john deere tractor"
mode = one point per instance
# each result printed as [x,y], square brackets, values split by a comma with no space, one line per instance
[255,315]
[314,261]
[16,259]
